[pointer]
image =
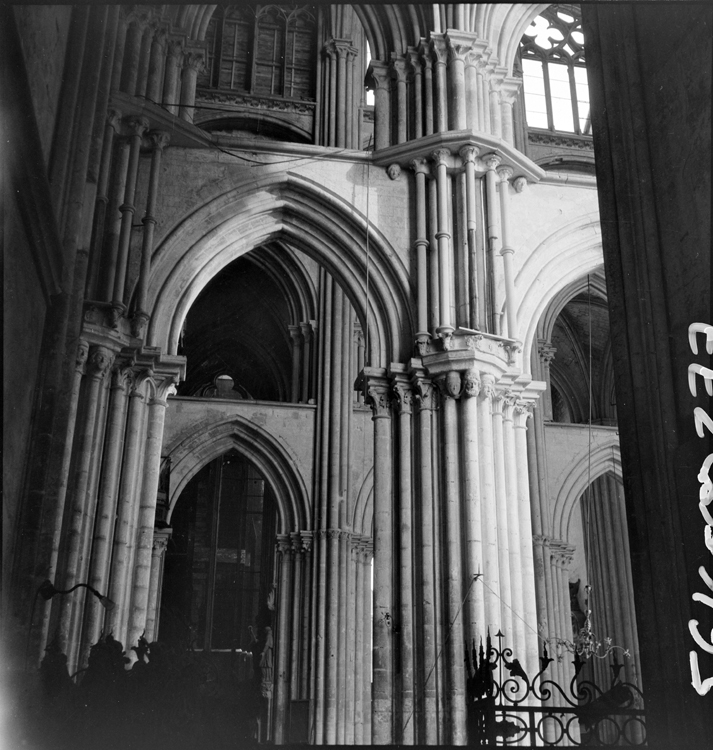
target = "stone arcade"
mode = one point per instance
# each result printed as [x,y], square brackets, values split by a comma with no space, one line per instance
[307,345]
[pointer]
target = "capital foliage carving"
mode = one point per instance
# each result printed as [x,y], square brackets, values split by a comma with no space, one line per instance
[135,127]
[439,48]
[122,377]
[505,173]
[441,156]
[175,48]
[403,397]
[420,166]
[194,61]
[159,139]
[546,351]
[469,153]
[423,395]
[377,396]
[163,388]
[398,68]
[492,161]
[284,544]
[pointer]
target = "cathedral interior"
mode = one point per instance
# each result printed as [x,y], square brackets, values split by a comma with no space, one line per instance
[331,352]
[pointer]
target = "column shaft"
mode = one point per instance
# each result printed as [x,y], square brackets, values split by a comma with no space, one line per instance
[475,619]
[489,507]
[147,517]
[127,208]
[282,687]
[118,584]
[507,253]
[503,519]
[383,675]
[106,510]
[99,361]
[454,574]
[428,726]
[158,555]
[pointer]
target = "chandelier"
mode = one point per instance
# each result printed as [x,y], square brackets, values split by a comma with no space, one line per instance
[586,644]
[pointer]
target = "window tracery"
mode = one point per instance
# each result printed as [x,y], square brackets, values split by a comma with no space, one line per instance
[264,50]
[554,74]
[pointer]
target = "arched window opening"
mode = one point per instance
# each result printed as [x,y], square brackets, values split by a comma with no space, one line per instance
[218,574]
[264,50]
[580,331]
[237,339]
[554,73]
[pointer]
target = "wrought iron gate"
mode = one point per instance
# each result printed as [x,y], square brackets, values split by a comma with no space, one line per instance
[506,707]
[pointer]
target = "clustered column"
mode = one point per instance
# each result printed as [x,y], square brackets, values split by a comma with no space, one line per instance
[464,256]
[455,82]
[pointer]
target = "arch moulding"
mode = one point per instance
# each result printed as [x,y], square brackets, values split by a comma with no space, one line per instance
[189,455]
[302,215]
[605,458]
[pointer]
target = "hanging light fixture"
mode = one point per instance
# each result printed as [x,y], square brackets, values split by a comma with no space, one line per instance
[586,644]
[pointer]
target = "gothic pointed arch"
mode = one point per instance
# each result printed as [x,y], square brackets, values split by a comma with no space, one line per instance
[310,218]
[567,254]
[604,458]
[274,460]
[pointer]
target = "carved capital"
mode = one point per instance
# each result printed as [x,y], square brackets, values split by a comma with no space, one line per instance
[160,541]
[99,361]
[174,50]
[546,351]
[284,544]
[163,388]
[333,533]
[439,48]
[469,154]
[492,161]
[377,396]
[403,397]
[295,334]
[523,411]
[159,139]
[113,119]
[471,384]
[420,166]
[450,384]
[487,387]
[194,61]
[121,378]
[398,69]
[505,173]
[458,50]
[441,157]
[423,395]
[306,330]
[160,37]
[82,355]
[135,127]
[380,75]
[414,60]
[306,540]
[296,543]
